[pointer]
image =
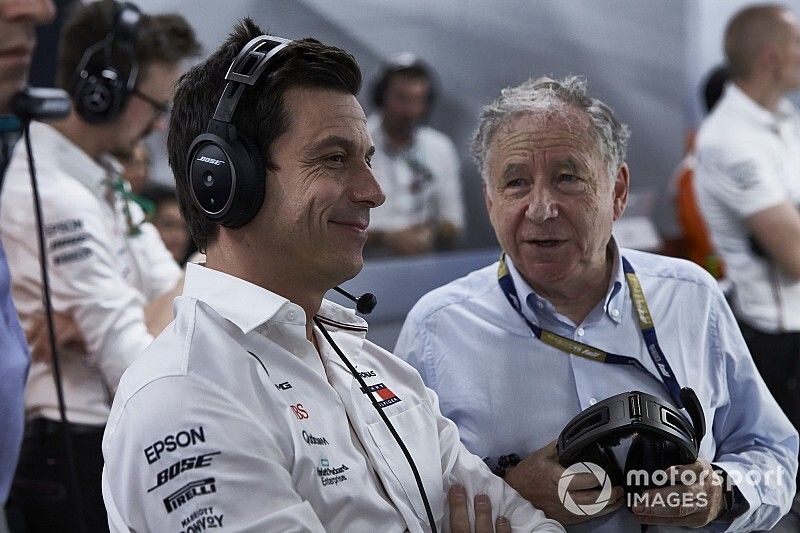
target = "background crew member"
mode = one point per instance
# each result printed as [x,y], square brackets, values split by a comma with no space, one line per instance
[18,18]
[249,391]
[105,267]
[748,186]
[555,179]
[416,166]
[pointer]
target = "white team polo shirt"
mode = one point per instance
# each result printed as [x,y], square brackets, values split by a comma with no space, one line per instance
[232,418]
[748,160]
[99,274]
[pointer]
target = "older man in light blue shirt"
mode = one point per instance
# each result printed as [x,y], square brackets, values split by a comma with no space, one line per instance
[555,178]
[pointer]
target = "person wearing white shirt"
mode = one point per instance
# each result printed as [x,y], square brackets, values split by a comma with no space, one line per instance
[416,166]
[108,270]
[747,182]
[262,407]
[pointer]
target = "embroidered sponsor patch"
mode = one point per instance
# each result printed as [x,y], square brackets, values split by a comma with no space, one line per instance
[744,174]
[381,394]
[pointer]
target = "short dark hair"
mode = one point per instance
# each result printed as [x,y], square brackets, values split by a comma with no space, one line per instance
[260,115]
[402,65]
[166,38]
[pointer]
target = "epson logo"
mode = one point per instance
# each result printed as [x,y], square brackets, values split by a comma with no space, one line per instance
[170,443]
[215,162]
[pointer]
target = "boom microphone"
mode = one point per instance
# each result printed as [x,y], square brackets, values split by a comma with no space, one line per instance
[364,303]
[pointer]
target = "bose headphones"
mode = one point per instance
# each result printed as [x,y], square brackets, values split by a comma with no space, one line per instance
[633,431]
[402,62]
[98,88]
[226,170]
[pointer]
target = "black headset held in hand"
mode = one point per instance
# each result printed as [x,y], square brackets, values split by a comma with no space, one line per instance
[633,432]
[99,89]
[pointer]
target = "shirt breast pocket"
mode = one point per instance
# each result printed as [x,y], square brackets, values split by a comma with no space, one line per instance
[417,429]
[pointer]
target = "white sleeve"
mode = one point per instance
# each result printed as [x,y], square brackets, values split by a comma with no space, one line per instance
[448,182]
[742,179]
[462,467]
[86,278]
[208,463]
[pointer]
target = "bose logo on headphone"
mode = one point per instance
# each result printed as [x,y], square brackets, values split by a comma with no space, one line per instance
[205,159]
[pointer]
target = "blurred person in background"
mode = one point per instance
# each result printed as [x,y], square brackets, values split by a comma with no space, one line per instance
[416,165]
[18,20]
[110,274]
[136,166]
[167,218]
[747,182]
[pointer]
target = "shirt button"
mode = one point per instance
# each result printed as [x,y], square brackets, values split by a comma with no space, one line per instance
[291,315]
[615,312]
[580,332]
[592,401]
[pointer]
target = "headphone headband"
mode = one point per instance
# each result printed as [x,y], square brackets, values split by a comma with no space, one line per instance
[244,72]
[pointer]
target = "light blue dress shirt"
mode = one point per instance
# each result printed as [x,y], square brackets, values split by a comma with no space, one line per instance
[510,393]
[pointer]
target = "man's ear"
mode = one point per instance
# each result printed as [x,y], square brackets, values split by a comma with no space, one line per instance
[621,184]
[487,198]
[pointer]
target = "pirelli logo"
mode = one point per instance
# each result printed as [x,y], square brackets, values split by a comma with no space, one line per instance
[189,491]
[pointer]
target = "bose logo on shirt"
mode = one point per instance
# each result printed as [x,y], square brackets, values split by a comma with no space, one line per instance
[170,443]
[205,159]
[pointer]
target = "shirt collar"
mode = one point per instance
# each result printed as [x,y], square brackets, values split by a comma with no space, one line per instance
[72,159]
[615,304]
[756,112]
[248,306]
[243,303]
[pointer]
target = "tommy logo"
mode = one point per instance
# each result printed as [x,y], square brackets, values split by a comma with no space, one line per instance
[283,386]
[299,411]
[215,162]
[381,395]
[368,374]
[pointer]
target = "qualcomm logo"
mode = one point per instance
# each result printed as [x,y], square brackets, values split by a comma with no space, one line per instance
[211,160]
[587,509]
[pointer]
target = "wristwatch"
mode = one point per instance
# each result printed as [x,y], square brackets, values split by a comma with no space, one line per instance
[734,502]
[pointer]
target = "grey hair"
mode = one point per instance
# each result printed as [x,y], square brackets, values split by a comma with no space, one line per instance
[548,96]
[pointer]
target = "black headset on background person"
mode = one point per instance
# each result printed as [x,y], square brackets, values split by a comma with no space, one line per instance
[397,63]
[99,88]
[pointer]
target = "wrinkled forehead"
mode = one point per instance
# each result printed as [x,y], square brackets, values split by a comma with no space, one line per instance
[536,129]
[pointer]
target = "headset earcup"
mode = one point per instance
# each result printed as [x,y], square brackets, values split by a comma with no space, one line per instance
[98,97]
[248,195]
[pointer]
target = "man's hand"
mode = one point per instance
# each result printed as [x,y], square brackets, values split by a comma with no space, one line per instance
[417,239]
[67,336]
[689,505]
[536,479]
[459,514]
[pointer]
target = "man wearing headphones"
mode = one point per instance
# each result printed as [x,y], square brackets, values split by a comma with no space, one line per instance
[108,271]
[263,407]
[18,18]
[416,165]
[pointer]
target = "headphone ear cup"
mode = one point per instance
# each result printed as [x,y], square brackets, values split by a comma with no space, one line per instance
[98,97]
[251,176]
